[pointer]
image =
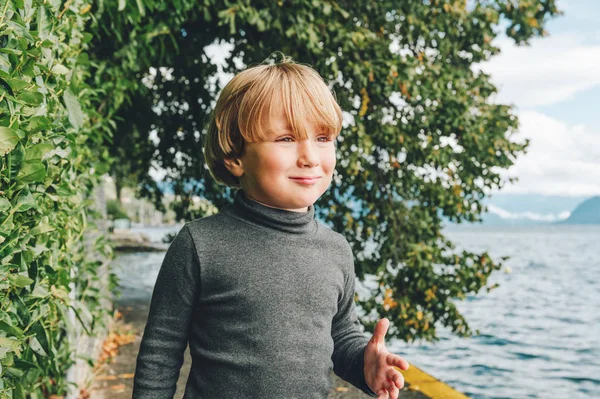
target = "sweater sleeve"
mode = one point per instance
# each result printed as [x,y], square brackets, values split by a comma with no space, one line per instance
[348,338]
[166,333]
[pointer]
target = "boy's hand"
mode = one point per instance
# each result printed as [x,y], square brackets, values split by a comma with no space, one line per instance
[380,374]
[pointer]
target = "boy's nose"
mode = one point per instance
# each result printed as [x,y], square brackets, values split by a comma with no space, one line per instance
[307,155]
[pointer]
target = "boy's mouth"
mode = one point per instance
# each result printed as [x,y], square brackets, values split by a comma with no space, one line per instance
[306,180]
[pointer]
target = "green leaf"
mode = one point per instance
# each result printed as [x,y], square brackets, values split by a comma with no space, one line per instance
[35,345]
[64,189]
[32,171]
[17,84]
[43,23]
[87,37]
[141,7]
[12,330]
[60,69]
[20,281]
[38,123]
[37,151]
[66,318]
[232,24]
[15,160]
[25,201]
[22,310]
[19,392]
[31,97]
[10,343]
[25,365]
[4,61]
[8,140]
[41,229]
[20,30]
[102,168]
[40,337]
[16,373]
[29,70]
[74,108]
[344,13]
[84,315]
[40,291]
[4,204]
[7,225]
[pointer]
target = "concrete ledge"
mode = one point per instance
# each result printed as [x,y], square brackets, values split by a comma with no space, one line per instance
[418,380]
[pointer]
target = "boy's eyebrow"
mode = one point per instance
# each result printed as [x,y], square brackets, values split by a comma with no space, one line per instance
[285,130]
[279,130]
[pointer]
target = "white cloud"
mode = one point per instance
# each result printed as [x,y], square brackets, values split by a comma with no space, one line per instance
[562,159]
[538,217]
[551,70]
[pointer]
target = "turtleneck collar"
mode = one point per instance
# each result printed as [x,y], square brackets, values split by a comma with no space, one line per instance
[274,218]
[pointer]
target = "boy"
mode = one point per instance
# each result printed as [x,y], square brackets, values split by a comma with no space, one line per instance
[263,292]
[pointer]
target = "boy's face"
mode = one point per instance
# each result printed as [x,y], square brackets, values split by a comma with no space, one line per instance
[270,171]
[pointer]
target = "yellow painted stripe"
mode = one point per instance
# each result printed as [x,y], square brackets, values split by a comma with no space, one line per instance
[418,380]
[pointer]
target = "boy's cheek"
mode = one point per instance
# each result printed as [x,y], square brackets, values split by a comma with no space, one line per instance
[331,165]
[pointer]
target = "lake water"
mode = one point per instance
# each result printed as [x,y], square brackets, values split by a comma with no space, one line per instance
[539,331]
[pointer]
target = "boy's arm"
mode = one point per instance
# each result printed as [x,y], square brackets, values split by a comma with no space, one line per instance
[166,334]
[349,341]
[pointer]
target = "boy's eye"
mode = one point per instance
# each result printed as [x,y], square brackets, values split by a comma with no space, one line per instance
[323,139]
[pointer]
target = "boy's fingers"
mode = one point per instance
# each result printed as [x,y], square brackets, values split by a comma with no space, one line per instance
[398,379]
[380,331]
[383,394]
[395,360]
[394,392]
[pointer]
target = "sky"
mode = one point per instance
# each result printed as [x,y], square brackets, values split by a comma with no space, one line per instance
[554,85]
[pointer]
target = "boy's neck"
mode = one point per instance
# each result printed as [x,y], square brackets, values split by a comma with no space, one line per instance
[274,207]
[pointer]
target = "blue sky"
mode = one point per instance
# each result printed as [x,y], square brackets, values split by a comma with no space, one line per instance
[580,19]
[554,85]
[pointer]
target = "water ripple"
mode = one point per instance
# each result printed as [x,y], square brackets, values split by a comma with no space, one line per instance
[594,381]
[540,330]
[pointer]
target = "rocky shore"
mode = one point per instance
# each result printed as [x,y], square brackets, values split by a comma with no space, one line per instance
[126,240]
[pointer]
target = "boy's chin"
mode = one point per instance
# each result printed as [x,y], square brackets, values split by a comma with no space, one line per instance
[298,206]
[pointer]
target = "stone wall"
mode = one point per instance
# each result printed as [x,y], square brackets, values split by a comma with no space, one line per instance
[81,373]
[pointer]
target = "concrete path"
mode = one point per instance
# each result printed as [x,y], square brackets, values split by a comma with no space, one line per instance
[115,380]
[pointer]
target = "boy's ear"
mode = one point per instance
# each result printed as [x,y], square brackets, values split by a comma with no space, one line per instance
[234,166]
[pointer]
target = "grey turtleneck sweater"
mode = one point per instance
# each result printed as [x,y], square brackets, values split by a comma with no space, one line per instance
[266,299]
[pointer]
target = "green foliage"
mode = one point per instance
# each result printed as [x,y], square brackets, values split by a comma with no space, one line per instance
[115,210]
[425,143]
[48,167]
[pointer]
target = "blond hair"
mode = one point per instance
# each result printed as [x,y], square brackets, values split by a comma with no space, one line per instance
[244,107]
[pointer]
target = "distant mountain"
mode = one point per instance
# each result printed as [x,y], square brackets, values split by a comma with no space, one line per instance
[540,204]
[588,212]
[527,209]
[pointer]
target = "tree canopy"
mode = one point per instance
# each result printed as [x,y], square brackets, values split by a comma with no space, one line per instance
[423,144]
